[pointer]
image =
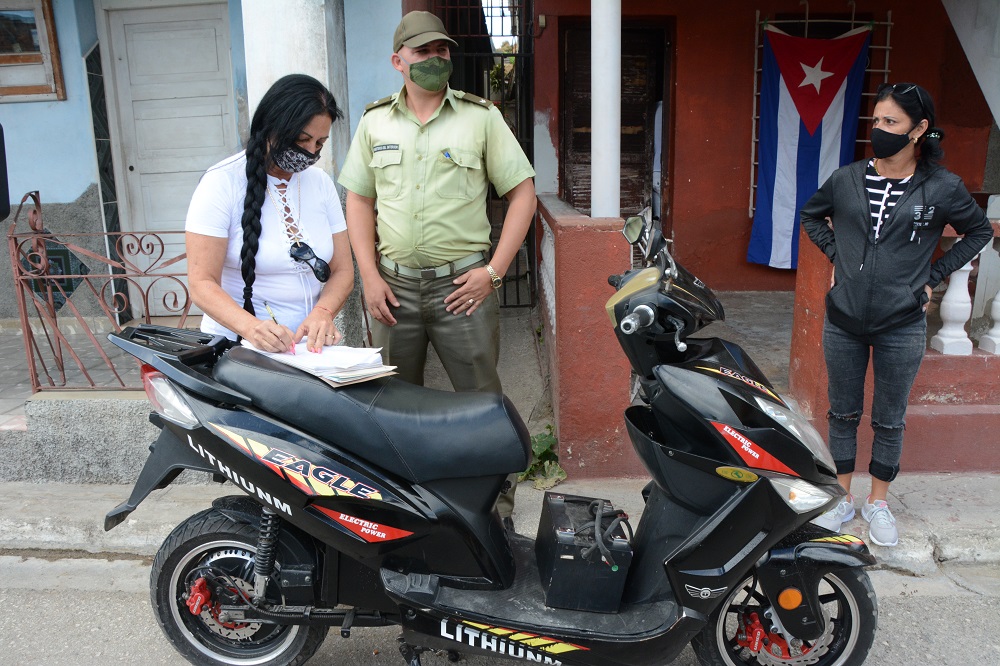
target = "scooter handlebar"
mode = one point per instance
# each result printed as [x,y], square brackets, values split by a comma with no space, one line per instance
[638,319]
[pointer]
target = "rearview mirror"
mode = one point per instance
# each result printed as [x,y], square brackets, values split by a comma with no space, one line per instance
[4,191]
[633,229]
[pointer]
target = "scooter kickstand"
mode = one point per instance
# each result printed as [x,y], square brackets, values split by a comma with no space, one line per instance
[411,653]
[345,628]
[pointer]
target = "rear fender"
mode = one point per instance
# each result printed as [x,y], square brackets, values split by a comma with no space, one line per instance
[169,456]
[801,561]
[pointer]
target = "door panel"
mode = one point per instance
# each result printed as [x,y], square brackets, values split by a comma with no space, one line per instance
[176,108]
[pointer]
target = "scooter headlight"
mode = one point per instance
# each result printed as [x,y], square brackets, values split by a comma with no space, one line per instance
[800,495]
[797,424]
[167,401]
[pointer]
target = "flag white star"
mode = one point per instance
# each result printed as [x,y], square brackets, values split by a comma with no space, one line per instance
[814,75]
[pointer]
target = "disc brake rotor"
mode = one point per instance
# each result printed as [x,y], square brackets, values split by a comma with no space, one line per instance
[818,649]
[237,631]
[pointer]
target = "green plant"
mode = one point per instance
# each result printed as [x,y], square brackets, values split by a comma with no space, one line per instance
[544,470]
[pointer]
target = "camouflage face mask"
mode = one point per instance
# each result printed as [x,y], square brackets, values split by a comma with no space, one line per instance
[431,74]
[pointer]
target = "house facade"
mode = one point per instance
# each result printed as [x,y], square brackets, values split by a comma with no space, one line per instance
[620,103]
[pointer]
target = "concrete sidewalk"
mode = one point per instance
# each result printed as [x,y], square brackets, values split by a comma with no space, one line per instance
[942,518]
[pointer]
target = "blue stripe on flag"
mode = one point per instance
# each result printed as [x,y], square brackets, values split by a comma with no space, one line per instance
[806,177]
[852,102]
[759,251]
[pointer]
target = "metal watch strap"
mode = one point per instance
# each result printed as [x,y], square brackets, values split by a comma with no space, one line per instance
[494,278]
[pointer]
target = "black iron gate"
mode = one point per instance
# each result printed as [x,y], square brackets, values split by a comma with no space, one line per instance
[494,60]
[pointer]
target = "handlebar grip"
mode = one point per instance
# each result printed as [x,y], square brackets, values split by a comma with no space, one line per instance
[639,318]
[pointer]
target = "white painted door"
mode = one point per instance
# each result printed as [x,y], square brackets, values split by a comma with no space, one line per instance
[176,113]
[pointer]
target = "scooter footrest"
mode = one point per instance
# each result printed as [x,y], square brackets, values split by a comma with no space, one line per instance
[416,587]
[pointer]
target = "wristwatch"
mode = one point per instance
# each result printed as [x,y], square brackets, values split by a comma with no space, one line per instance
[495,279]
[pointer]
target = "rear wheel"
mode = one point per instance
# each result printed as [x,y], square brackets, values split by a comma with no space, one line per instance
[850,614]
[209,542]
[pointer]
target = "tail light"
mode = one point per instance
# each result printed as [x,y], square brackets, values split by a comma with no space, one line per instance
[167,400]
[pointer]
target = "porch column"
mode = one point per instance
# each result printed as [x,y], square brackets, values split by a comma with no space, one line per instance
[605,107]
[310,41]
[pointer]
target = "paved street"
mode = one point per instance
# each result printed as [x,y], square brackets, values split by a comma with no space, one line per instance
[78,612]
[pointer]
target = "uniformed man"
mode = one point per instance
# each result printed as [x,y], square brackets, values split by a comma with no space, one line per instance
[427,156]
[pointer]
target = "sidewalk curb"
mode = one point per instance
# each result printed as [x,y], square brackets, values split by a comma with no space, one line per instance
[70,517]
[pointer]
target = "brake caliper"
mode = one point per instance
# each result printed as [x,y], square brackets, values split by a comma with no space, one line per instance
[753,636]
[751,633]
[198,597]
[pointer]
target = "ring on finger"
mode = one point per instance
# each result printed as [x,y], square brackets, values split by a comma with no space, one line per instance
[472,301]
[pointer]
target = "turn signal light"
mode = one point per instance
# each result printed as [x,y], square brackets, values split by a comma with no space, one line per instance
[790,598]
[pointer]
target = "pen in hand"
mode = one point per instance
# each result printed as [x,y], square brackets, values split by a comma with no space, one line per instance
[269,312]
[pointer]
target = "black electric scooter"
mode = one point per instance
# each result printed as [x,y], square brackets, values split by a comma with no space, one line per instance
[372,504]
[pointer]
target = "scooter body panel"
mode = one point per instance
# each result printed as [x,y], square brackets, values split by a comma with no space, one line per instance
[339,499]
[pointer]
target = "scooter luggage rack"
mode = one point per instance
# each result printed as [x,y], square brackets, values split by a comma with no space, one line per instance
[175,352]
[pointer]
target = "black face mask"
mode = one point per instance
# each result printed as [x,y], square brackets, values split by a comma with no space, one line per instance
[295,159]
[886,144]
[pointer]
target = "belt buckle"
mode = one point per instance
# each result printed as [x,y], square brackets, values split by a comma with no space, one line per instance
[428,273]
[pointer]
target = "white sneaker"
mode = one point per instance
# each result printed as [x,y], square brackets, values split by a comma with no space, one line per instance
[881,523]
[837,516]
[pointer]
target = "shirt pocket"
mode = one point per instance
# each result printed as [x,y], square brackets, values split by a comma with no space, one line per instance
[387,165]
[460,174]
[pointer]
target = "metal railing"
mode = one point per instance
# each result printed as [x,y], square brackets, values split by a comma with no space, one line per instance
[73,288]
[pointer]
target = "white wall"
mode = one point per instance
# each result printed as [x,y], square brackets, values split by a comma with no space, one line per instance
[50,145]
[977,24]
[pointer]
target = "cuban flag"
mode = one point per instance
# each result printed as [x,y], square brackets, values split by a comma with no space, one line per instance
[810,99]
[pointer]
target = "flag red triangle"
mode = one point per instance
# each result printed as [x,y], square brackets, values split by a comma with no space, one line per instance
[814,69]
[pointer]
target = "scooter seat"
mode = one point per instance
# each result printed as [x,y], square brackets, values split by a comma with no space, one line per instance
[417,433]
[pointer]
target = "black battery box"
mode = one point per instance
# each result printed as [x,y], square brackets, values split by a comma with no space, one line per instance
[577,572]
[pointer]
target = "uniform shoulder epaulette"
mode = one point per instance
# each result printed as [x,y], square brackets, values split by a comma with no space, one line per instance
[380,102]
[472,99]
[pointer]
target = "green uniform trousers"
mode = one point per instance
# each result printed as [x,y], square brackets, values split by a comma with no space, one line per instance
[468,346]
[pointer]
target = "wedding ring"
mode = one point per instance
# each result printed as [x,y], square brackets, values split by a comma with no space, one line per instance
[472,301]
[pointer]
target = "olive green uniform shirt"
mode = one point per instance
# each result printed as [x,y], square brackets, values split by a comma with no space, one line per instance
[430,181]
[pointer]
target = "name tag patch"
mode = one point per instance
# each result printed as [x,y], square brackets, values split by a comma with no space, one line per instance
[385,146]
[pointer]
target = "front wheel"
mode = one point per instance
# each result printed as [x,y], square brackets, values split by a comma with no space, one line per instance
[850,613]
[211,542]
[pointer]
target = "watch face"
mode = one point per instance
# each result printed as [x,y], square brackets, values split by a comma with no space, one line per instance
[497,282]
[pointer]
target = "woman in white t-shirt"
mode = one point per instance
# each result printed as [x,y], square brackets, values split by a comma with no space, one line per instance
[271,207]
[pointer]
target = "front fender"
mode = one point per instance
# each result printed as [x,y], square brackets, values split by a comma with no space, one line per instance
[169,456]
[800,561]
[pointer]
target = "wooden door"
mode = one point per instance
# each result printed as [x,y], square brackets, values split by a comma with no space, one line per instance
[642,86]
[176,117]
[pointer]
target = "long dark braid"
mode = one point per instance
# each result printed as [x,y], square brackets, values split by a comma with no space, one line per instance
[284,110]
[256,191]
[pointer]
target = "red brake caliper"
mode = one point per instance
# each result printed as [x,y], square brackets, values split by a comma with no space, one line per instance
[753,636]
[751,633]
[198,597]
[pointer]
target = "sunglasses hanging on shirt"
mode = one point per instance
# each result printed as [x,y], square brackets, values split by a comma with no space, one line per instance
[301,252]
